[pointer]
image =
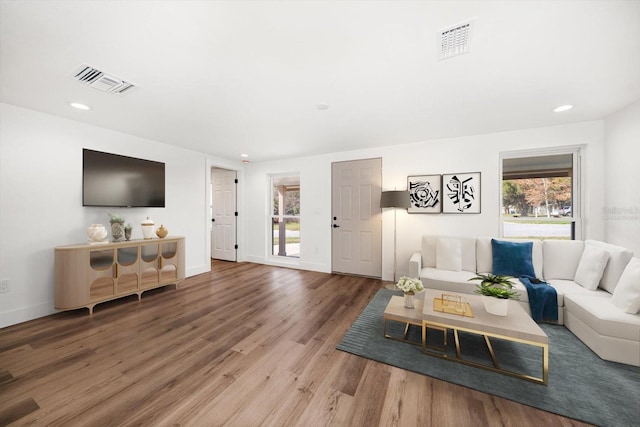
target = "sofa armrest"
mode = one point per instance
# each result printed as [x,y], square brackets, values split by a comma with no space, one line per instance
[415,265]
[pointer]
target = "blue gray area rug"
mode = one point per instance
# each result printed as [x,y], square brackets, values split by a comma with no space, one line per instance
[581,385]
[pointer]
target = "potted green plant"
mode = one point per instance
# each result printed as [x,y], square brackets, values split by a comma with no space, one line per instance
[496,291]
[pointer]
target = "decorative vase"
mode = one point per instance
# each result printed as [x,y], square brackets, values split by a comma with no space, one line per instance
[162,232]
[97,233]
[117,231]
[127,233]
[497,306]
[408,300]
[147,228]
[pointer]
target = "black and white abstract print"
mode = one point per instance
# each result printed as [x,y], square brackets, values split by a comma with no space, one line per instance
[461,193]
[425,193]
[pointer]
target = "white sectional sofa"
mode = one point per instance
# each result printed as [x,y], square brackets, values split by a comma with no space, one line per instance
[585,275]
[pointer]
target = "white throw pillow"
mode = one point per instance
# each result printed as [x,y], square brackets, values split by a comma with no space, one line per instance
[592,265]
[626,295]
[449,254]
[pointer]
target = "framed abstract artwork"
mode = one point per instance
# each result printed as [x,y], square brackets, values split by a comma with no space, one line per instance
[425,193]
[461,193]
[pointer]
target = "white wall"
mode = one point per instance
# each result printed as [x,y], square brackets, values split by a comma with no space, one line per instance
[468,154]
[41,201]
[621,213]
[41,207]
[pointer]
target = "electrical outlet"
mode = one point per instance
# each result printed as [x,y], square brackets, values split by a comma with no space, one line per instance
[4,285]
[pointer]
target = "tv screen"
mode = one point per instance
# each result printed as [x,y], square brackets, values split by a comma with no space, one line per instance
[120,181]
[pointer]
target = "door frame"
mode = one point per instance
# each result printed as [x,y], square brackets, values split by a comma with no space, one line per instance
[240,252]
[214,170]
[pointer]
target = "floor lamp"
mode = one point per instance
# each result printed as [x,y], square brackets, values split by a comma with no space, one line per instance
[394,199]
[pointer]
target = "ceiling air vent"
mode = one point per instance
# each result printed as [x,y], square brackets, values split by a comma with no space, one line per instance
[454,41]
[104,82]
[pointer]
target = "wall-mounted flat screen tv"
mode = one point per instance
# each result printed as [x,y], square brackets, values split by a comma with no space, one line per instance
[120,181]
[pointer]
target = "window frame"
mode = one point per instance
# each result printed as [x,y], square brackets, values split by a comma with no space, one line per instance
[271,216]
[576,185]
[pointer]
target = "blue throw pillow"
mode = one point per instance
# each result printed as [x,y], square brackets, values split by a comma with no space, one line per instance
[512,258]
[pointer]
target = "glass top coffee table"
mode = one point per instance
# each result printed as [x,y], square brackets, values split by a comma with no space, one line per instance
[516,326]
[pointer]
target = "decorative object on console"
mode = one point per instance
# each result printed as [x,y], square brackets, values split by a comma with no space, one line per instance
[461,193]
[409,287]
[162,232]
[127,232]
[425,193]
[117,227]
[97,233]
[147,228]
[394,199]
[496,292]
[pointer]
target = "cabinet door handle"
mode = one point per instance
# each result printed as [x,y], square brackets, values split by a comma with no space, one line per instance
[115,270]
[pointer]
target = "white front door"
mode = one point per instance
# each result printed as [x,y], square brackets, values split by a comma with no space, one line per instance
[223,199]
[356,217]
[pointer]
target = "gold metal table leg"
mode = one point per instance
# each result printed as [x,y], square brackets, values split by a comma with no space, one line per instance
[491,352]
[405,333]
[544,379]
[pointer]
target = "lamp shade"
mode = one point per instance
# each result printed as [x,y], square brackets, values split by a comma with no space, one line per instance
[394,199]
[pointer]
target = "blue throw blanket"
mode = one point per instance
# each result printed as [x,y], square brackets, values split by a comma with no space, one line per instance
[543,299]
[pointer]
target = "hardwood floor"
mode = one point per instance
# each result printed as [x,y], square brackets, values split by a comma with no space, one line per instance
[244,345]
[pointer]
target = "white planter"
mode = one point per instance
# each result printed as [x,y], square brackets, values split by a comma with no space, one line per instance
[408,300]
[497,306]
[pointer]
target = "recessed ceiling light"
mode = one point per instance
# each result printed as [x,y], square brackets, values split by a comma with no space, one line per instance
[563,108]
[80,106]
[244,155]
[322,106]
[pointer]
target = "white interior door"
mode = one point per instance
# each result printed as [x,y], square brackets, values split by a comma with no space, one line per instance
[223,230]
[357,222]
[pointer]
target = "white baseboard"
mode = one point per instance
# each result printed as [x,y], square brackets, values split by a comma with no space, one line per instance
[194,271]
[309,266]
[312,266]
[13,317]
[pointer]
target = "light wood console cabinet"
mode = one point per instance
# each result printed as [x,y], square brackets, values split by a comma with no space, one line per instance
[86,275]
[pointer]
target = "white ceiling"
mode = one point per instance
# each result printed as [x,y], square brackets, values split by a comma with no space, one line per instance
[232,77]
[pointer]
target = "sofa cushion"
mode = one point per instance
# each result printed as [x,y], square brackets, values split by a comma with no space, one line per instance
[598,313]
[512,258]
[467,244]
[561,258]
[429,250]
[449,281]
[448,254]
[484,255]
[568,287]
[592,264]
[626,295]
[619,257]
